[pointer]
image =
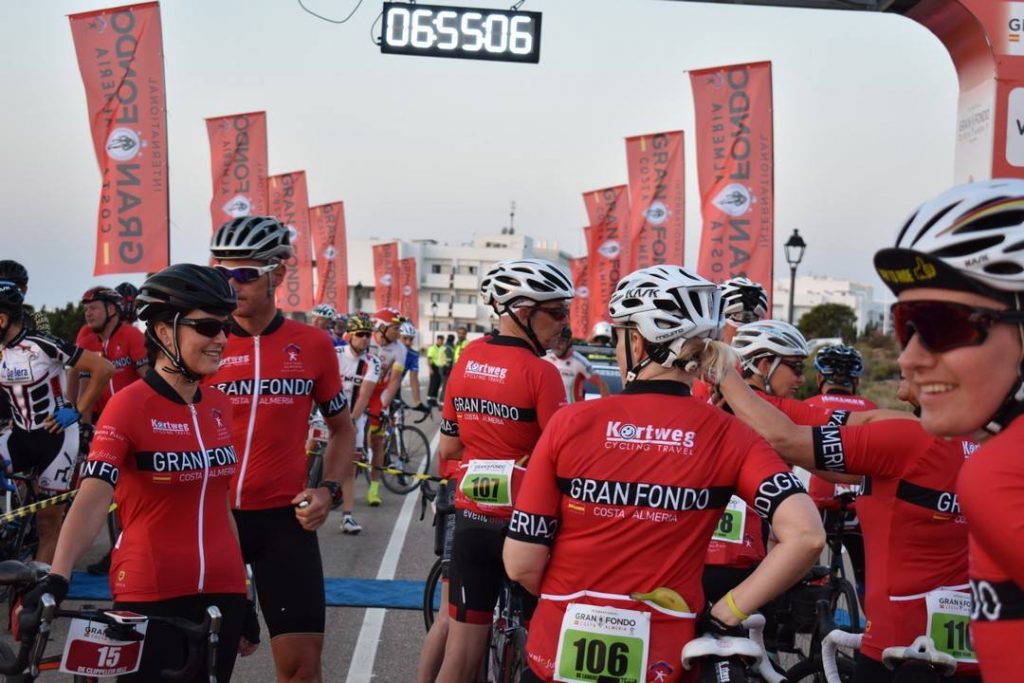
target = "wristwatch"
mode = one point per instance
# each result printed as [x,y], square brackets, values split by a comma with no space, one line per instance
[335,489]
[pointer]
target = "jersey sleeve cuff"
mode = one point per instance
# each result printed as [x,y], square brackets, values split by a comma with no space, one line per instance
[449,428]
[829,451]
[532,528]
[335,406]
[773,490]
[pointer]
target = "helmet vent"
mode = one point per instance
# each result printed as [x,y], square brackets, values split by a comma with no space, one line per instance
[994,221]
[969,247]
[927,226]
[1003,268]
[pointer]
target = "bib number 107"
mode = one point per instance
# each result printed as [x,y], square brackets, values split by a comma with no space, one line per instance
[485,488]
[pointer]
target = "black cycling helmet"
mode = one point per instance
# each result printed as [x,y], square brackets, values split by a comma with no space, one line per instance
[261,238]
[105,294]
[184,287]
[12,271]
[128,292]
[11,296]
[839,364]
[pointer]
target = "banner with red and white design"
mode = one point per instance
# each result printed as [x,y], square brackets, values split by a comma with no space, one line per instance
[238,161]
[735,168]
[657,220]
[409,292]
[385,276]
[120,56]
[608,211]
[579,309]
[328,228]
[289,203]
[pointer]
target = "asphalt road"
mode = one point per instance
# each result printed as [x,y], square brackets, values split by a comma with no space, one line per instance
[392,657]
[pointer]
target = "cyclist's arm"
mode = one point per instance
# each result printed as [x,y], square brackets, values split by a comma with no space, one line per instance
[393,387]
[141,370]
[525,563]
[84,520]
[601,385]
[365,392]
[100,371]
[449,448]
[75,390]
[990,496]
[414,385]
[878,414]
[837,478]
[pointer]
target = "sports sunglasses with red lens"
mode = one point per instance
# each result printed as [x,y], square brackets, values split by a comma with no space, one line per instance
[944,325]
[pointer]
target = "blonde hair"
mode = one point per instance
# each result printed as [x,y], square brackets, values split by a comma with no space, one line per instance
[707,359]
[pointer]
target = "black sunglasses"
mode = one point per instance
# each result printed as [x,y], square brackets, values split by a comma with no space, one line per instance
[797,366]
[615,333]
[208,327]
[243,275]
[559,314]
[361,334]
[943,325]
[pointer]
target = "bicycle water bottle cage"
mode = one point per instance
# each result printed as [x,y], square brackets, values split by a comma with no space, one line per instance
[921,650]
[728,647]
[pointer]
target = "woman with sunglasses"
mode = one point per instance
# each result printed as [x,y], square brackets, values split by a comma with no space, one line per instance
[958,273]
[623,493]
[164,451]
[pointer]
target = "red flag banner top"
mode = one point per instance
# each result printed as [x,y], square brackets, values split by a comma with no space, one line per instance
[385,275]
[735,169]
[579,309]
[290,204]
[120,56]
[657,221]
[608,211]
[328,227]
[409,294]
[238,161]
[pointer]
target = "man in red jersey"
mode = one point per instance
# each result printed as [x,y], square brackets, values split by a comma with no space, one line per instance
[274,370]
[956,270]
[500,395]
[107,334]
[915,535]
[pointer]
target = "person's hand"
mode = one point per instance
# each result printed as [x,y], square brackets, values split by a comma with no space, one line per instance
[250,640]
[311,507]
[54,584]
[718,621]
[62,418]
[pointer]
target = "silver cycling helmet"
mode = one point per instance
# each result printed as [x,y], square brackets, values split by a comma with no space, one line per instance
[537,280]
[260,238]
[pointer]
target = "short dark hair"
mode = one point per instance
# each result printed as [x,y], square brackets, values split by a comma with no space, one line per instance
[440,338]
[450,339]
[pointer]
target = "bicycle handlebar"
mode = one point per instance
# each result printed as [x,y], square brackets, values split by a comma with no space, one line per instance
[921,650]
[835,639]
[755,625]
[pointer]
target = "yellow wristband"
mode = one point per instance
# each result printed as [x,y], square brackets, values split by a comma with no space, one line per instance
[737,612]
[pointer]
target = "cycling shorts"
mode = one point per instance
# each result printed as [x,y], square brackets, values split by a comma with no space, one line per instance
[444,534]
[287,569]
[166,647]
[52,456]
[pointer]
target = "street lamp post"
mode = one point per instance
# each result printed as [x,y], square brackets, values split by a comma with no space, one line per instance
[433,316]
[795,247]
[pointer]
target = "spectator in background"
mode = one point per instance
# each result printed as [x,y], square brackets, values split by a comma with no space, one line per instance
[437,359]
[460,342]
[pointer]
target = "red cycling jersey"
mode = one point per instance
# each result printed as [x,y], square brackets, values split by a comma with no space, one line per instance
[627,491]
[991,487]
[287,367]
[824,492]
[498,399]
[915,537]
[170,464]
[125,349]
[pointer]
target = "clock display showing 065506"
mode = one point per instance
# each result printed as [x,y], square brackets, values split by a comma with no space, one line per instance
[463,32]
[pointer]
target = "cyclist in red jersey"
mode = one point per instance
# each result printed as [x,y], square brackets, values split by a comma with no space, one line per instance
[915,536]
[499,397]
[106,333]
[274,370]
[623,493]
[959,317]
[165,452]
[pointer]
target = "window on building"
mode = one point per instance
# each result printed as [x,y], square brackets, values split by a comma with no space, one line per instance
[471,269]
[435,268]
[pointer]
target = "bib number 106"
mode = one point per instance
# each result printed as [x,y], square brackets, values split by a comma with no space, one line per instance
[596,657]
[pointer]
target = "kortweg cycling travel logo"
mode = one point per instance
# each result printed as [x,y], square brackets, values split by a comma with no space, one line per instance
[645,437]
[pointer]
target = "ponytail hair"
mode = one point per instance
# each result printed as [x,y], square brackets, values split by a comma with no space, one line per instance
[707,359]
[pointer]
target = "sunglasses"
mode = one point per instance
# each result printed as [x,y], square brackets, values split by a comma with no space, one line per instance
[361,335]
[208,327]
[797,366]
[943,325]
[743,317]
[243,275]
[615,333]
[560,314]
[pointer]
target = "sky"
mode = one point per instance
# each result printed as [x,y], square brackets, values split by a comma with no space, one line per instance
[416,147]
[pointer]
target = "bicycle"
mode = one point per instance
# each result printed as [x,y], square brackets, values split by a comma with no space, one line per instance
[732,659]
[403,445]
[96,653]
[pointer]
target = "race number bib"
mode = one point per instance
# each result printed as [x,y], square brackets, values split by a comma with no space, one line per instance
[488,482]
[602,643]
[731,523]
[949,619]
[88,652]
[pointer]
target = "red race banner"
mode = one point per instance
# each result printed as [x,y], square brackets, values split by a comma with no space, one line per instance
[409,294]
[385,275]
[289,202]
[328,227]
[238,160]
[608,210]
[657,220]
[579,309]
[735,168]
[120,56]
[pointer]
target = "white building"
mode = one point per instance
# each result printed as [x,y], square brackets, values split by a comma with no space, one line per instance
[812,290]
[449,276]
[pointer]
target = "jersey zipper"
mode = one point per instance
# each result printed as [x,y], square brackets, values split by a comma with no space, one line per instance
[202,499]
[110,382]
[252,419]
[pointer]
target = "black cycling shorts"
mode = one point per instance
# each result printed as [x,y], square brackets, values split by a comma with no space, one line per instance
[287,569]
[166,647]
[476,572]
[51,457]
[444,532]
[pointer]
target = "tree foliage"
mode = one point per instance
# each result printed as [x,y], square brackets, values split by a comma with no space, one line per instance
[65,322]
[830,320]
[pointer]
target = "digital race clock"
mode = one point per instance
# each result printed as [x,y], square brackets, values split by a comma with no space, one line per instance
[467,33]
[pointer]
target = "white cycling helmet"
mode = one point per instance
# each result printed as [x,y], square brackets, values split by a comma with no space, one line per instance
[324,311]
[601,329]
[667,305]
[508,282]
[407,329]
[261,238]
[768,338]
[741,298]
[969,238]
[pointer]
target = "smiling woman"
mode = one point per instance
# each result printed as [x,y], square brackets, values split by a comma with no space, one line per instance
[958,272]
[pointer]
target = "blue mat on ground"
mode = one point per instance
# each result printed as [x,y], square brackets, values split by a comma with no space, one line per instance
[392,594]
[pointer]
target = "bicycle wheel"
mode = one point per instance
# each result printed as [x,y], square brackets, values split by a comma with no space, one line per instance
[843,606]
[315,469]
[407,449]
[511,656]
[431,591]
[806,671]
